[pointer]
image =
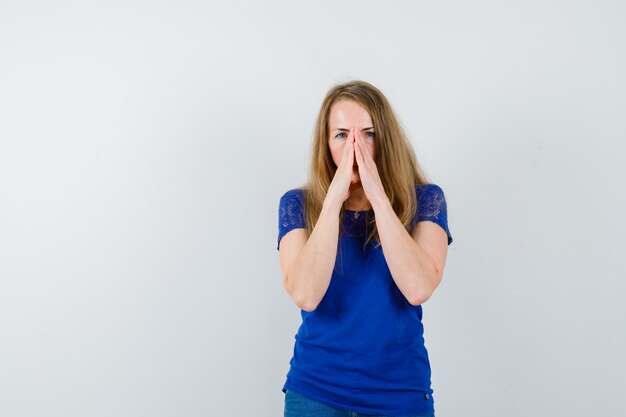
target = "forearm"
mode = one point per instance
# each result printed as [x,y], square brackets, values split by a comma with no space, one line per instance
[309,275]
[412,269]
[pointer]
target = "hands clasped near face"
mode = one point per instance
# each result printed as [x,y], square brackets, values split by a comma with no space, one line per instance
[368,171]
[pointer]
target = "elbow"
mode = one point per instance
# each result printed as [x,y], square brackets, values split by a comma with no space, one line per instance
[419,298]
[300,299]
[305,304]
[422,295]
[308,308]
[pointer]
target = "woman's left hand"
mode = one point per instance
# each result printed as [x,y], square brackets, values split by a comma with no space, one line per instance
[368,171]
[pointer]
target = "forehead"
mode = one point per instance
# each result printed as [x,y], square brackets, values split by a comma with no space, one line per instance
[346,113]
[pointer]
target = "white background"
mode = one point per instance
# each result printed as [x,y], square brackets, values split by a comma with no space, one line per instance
[144,147]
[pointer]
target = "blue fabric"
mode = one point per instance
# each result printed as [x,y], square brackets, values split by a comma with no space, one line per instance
[362,349]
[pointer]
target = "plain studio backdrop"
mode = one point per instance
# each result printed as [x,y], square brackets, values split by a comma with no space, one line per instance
[144,147]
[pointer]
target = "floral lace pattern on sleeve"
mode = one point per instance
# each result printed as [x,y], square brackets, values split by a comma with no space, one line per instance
[290,213]
[432,207]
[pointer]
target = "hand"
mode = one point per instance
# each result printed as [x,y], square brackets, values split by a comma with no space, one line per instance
[368,172]
[339,189]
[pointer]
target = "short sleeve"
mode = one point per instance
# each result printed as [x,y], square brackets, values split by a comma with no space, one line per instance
[431,206]
[290,213]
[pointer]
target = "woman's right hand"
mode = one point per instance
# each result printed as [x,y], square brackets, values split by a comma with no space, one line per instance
[339,189]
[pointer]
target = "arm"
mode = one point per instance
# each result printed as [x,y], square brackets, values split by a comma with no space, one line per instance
[308,276]
[414,270]
[415,262]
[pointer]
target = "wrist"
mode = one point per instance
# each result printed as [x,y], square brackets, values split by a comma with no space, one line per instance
[331,206]
[381,204]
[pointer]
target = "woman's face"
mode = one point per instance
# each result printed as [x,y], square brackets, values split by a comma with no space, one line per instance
[344,115]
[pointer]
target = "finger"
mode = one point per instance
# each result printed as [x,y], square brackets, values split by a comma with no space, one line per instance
[359,143]
[359,151]
[364,149]
[351,147]
[346,152]
[344,156]
[356,146]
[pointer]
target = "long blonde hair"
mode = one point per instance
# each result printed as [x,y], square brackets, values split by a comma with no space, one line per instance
[397,166]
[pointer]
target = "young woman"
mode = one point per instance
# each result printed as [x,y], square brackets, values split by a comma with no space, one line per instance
[362,245]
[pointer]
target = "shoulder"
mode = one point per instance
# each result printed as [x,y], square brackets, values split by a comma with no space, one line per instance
[429,192]
[431,200]
[432,206]
[293,201]
[293,195]
[294,192]
[428,187]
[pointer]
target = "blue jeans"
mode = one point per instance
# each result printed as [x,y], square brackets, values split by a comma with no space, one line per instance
[297,405]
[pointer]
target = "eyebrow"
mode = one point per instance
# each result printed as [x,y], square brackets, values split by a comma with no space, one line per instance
[347,130]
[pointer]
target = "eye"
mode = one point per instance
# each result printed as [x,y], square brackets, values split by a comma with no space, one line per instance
[373,134]
[339,134]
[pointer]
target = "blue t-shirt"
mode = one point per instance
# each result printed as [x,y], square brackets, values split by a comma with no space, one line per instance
[362,349]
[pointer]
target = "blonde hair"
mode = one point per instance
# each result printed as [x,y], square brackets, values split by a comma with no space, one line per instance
[397,166]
